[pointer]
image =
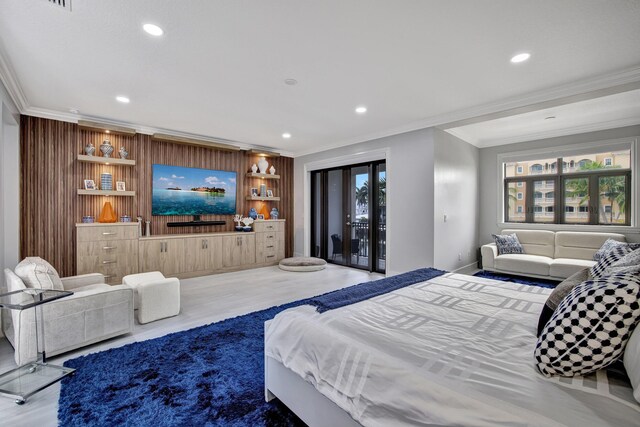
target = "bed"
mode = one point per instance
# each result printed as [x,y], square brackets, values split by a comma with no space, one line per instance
[453,350]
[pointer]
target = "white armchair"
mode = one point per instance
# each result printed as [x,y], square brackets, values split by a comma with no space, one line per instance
[95,312]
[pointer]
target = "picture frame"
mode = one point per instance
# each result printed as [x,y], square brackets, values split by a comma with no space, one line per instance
[254,192]
[121,186]
[260,216]
[89,184]
[269,193]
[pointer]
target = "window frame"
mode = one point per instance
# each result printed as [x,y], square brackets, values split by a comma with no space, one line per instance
[632,185]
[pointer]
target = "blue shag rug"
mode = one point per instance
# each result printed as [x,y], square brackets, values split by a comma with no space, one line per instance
[517,279]
[212,375]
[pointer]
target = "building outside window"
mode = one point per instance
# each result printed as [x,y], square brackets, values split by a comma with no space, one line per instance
[590,189]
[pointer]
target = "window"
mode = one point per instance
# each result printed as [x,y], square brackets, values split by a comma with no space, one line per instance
[519,169]
[592,189]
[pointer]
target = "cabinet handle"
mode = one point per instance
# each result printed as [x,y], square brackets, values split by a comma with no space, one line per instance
[108,248]
[202,244]
[109,262]
[268,247]
[271,256]
[206,244]
[269,237]
[108,233]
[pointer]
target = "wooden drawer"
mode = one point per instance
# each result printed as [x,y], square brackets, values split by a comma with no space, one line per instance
[106,233]
[115,258]
[268,226]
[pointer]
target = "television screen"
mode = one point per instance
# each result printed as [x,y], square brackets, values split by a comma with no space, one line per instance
[190,191]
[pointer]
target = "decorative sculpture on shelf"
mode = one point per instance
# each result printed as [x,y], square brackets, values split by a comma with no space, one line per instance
[123,153]
[107,214]
[247,223]
[272,170]
[254,168]
[253,214]
[89,149]
[274,213]
[106,148]
[263,165]
[238,219]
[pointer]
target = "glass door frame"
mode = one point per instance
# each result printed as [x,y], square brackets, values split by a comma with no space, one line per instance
[373,232]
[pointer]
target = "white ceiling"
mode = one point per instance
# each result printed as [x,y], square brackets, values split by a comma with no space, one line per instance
[218,71]
[622,109]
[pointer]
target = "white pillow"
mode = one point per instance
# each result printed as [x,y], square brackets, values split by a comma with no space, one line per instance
[632,361]
[37,273]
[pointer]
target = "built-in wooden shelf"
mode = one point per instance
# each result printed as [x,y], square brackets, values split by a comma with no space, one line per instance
[262,175]
[82,192]
[106,160]
[263,199]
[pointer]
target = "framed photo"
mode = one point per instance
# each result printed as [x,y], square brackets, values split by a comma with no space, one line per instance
[254,192]
[89,184]
[269,193]
[260,216]
[120,186]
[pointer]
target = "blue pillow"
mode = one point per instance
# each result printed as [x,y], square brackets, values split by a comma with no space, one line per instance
[508,244]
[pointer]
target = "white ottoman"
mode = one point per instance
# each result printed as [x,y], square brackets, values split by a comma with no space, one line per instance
[155,297]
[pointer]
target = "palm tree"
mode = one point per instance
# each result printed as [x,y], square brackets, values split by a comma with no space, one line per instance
[382,191]
[362,194]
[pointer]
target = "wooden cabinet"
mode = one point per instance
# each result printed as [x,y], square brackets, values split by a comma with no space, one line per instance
[164,255]
[269,241]
[203,254]
[110,249]
[238,250]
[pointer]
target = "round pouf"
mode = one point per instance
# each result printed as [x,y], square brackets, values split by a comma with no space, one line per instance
[302,264]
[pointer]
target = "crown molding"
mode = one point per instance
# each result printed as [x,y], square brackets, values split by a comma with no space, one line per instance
[573,130]
[11,83]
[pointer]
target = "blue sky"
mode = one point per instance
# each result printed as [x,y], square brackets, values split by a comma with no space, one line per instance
[360,179]
[165,176]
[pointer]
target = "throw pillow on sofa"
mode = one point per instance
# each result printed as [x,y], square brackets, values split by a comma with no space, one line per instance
[610,258]
[630,263]
[508,244]
[558,294]
[611,244]
[590,327]
[37,273]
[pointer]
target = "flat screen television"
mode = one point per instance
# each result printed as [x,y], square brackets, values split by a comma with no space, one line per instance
[191,191]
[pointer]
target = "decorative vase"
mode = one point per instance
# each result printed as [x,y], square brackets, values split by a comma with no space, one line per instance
[106,181]
[147,231]
[263,190]
[272,170]
[89,149]
[139,226]
[274,213]
[264,211]
[107,214]
[123,153]
[106,148]
[125,218]
[263,165]
[253,214]
[254,168]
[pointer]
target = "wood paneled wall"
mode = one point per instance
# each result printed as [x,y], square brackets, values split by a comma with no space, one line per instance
[51,175]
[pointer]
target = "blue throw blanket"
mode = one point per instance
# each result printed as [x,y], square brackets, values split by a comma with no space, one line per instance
[363,291]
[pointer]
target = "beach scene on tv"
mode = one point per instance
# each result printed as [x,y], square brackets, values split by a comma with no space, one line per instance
[190,191]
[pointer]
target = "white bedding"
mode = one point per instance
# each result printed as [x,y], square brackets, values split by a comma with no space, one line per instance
[455,350]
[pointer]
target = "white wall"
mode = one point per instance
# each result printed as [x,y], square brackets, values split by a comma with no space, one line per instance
[9,184]
[456,173]
[489,172]
[409,162]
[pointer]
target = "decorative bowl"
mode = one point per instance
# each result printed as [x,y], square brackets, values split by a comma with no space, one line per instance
[247,228]
[239,228]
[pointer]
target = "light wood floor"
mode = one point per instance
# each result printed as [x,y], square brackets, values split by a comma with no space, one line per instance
[204,300]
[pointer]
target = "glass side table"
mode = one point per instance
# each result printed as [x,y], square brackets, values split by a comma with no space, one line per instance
[26,380]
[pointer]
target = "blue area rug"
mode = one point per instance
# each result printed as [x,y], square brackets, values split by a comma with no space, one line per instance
[517,279]
[212,375]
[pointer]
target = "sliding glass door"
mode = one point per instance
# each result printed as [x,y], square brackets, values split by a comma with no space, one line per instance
[348,215]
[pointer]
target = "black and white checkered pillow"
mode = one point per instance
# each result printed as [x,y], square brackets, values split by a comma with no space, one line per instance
[609,258]
[590,327]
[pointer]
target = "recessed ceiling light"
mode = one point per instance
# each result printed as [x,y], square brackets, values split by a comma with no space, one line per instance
[107,131]
[122,99]
[152,29]
[291,82]
[361,110]
[521,57]
[286,135]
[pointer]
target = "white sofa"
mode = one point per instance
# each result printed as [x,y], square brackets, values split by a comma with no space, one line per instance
[95,312]
[547,254]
